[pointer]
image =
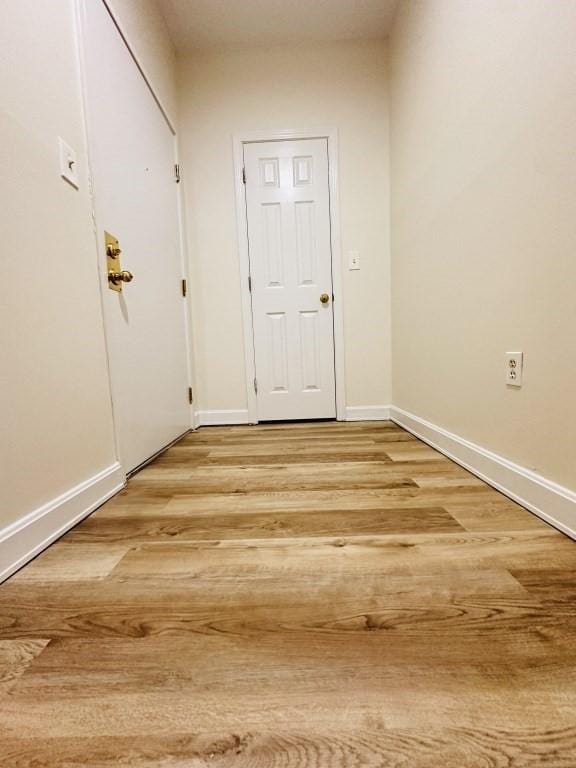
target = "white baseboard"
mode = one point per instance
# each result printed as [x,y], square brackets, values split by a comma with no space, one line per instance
[221,418]
[550,501]
[367,412]
[26,538]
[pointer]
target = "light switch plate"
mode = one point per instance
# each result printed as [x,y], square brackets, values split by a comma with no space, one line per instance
[68,163]
[514,368]
[353,260]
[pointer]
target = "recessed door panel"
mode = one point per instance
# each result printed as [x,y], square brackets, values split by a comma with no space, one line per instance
[306,248]
[271,218]
[277,353]
[310,351]
[269,174]
[302,168]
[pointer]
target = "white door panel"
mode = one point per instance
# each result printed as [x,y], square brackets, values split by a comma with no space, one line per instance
[288,207]
[132,158]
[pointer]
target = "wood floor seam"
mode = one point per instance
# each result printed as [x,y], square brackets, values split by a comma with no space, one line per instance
[308,595]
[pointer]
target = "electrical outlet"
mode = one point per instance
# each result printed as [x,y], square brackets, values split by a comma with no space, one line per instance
[514,368]
[353,260]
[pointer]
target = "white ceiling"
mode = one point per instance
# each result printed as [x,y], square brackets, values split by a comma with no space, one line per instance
[202,24]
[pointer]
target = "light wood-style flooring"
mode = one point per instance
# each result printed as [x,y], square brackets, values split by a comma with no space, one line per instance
[314,595]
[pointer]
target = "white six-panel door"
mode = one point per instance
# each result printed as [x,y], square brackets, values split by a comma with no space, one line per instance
[288,212]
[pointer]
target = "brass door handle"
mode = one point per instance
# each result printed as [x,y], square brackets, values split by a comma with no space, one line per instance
[324,298]
[120,277]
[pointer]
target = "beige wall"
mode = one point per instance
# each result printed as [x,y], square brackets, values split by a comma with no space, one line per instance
[143,25]
[336,85]
[56,419]
[56,414]
[483,104]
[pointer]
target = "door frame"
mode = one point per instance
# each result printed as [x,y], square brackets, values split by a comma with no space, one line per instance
[252,137]
[80,33]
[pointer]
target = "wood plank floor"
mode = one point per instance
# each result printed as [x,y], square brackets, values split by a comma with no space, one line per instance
[295,596]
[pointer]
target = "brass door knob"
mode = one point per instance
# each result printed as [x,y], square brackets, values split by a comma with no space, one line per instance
[324,298]
[120,277]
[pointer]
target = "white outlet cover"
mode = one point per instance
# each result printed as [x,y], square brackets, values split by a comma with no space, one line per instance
[514,368]
[353,260]
[68,163]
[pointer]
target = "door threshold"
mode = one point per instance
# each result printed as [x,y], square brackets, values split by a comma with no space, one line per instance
[149,460]
[297,421]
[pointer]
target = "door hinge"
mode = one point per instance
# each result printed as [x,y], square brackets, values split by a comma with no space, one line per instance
[243,175]
[184,287]
[255,385]
[250,283]
[190,395]
[177,172]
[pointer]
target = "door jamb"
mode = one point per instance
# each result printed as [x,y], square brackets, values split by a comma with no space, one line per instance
[250,137]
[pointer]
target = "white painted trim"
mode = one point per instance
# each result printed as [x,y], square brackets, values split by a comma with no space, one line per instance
[337,274]
[244,265]
[331,134]
[368,413]
[222,418]
[27,537]
[185,266]
[550,501]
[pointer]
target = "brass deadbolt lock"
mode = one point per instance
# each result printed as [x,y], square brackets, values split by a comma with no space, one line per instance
[116,275]
[112,251]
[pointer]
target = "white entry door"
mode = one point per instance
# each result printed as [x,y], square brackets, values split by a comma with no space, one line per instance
[132,157]
[288,207]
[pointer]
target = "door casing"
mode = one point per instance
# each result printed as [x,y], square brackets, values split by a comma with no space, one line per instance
[244,258]
[80,32]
